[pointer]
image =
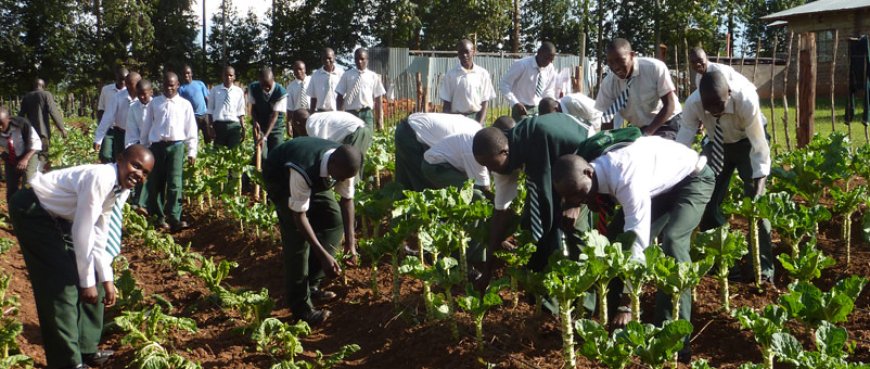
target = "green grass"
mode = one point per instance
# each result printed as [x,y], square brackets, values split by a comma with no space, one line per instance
[822,122]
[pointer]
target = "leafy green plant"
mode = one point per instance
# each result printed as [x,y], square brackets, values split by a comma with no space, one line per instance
[846,203]
[653,345]
[596,343]
[808,265]
[832,349]
[606,261]
[675,278]
[726,247]
[749,208]
[151,325]
[516,261]
[10,328]
[810,305]
[764,326]
[567,280]
[281,341]
[254,307]
[478,304]
[155,356]
[6,244]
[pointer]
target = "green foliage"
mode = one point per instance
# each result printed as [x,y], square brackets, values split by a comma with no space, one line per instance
[764,324]
[652,345]
[254,307]
[809,171]
[280,340]
[597,344]
[831,349]
[237,41]
[6,244]
[151,325]
[479,303]
[726,247]
[810,305]
[809,263]
[673,277]
[155,356]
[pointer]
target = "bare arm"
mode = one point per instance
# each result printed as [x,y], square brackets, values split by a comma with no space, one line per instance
[481,115]
[347,217]
[330,266]
[669,101]
[446,107]
[339,102]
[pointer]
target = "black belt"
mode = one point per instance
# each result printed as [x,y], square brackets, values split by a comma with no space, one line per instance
[166,143]
[359,110]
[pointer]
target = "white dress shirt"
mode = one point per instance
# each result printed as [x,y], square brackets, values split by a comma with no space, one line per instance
[652,80]
[370,88]
[170,119]
[322,87]
[637,173]
[332,125]
[582,107]
[433,127]
[135,119]
[18,140]
[742,119]
[279,106]
[294,93]
[519,83]
[735,79]
[456,151]
[84,196]
[223,111]
[300,191]
[466,89]
[106,94]
[506,189]
[115,115]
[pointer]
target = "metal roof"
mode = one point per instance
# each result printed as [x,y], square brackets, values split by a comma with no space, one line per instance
[820,6]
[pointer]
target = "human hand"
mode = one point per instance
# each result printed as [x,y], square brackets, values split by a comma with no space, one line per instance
[521,109]
[111,294]
[22,165]
[89,295]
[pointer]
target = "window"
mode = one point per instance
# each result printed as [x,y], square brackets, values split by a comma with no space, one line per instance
[825,46]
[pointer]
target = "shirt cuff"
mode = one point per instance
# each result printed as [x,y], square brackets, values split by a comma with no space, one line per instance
[298,206]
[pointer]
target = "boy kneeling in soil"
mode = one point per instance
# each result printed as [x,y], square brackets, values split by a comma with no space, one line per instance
[298,176]
[68,223]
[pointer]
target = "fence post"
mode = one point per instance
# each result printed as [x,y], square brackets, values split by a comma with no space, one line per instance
[690,82]
[772,95]
[797,90]
[833,81]
[757,51]
[419,102]
[785,121]
[807,88]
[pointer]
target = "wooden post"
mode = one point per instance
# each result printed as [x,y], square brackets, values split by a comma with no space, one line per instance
[419,102]
[797,90]
[757,52]
[807,88]
[785,121]
[772,95]
[690,82]
[679,82]
[578,77]
[727,48]
[258,162]
[833,81]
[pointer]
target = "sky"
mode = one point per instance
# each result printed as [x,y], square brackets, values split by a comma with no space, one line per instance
[260,8]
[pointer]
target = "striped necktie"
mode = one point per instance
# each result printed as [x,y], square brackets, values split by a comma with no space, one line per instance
[534,211]
[354,92]
[113,241]
[304,99]
[617,105]
[717,154]
[539,85]
[227,105]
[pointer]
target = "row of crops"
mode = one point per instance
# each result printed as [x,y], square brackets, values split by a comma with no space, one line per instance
[426,236]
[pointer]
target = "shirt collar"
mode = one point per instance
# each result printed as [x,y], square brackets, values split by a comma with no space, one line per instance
[603,185]
[635,70]
[324,163]
[334,70]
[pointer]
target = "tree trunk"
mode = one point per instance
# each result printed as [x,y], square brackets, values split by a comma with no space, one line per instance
[807,88]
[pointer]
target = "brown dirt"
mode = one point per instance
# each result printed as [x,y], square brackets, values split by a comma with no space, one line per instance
[515,338]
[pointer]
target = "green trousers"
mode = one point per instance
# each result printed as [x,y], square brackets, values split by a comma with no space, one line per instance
[409,155]
[737,157]
[227,134]
[531,110]
[362,140]
[367,115]
[112,145]
[69,327]
[15,180]
[302,269]
[275,138]
[164,184]
[442,175]
[675,215]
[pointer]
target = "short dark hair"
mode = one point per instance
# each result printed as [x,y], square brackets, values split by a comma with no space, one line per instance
[489,142]
[619,44]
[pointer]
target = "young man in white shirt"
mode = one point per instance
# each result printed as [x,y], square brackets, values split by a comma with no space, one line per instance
[467,88]
[529,80]
[168,127]
[19,143]
[640,90]
[576,106]
[663,188]
[734,124]
[418,133]
[135,120]
[336,126]
[359,91]
[699,62]
[68,223]
[297,90]
[109,91]
[268,100]
[299,176]
[323,82]
[110,136]
[226,110]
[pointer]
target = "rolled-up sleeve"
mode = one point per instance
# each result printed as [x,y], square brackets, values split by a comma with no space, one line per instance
[345,188]
[85,237]
[760,154]
[637,206]
[300,193]
[692,113]
[507,82]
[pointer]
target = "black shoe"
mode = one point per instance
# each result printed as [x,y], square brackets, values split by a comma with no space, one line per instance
[98,358]
[316,317]
[322,295]
[177,227]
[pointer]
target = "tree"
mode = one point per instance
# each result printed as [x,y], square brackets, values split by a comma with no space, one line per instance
[235,41]
[558,21]
[175,31]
